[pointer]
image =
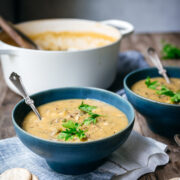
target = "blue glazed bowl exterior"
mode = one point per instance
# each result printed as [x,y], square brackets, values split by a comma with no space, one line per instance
[73,158]
[162,118]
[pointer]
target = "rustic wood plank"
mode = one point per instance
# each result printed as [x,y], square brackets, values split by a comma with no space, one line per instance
[172,169]
[6,127]
[7,101]
[3,87]
[173,38]
[139,42]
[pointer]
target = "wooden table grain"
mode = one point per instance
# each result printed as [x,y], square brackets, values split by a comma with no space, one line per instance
[138,42]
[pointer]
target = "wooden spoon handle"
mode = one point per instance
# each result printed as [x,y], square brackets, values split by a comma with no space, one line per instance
[16,35]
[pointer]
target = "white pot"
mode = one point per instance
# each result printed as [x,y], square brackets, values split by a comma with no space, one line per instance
[41,70]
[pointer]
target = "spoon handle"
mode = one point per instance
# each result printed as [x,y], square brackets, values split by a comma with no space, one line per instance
[156,61]
[20,38]
[16,80]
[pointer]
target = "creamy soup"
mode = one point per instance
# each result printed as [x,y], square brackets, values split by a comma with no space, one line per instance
[159,90]
[66,41]
[75,120]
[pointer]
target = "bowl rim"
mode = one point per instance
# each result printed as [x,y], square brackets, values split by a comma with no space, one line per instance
[144,98]
[16,48]
[76,143]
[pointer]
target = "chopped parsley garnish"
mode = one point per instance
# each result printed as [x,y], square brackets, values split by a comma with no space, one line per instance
[170,51]
[70,124]
[175,96]
[88,109]
[165,91]
[151,84]
[72,130]
[91,119]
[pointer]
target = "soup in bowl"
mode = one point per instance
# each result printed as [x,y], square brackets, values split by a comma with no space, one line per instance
[158,89]
[75,120]
[80,127]
[155,99]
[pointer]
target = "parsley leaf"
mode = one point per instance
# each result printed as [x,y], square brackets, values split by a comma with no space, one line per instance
[65,135]
[176,98]
[151,84]
[72,130]
[170,51]
[86,108]
[80,133]
[70,124]
[165,91]
[91,119]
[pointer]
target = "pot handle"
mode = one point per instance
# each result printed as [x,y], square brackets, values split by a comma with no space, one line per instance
[124,27]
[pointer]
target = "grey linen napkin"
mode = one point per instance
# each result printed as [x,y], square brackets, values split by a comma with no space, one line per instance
[127,62]
[139,155]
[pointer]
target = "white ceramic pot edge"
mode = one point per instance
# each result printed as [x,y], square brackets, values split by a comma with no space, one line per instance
[34,66]
[125,28]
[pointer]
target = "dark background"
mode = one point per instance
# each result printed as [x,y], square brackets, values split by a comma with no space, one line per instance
[145,15]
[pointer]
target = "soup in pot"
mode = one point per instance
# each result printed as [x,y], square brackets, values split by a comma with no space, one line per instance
[158,89]
[75,120]
[66,41]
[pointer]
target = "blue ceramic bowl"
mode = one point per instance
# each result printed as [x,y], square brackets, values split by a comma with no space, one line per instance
[162,118]
[73,158]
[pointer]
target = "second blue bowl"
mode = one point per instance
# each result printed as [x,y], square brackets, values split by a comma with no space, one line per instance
[162,118]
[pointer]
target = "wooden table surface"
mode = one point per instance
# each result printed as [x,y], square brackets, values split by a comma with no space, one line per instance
[138,42]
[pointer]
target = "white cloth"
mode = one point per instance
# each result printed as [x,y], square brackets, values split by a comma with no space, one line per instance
[138,156]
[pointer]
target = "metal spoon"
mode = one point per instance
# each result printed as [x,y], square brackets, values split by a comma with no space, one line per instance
[156,61]
[16,80]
